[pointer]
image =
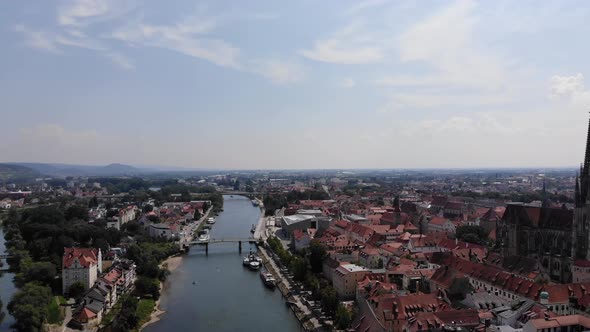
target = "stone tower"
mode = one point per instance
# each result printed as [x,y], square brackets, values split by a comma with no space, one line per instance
[581,229]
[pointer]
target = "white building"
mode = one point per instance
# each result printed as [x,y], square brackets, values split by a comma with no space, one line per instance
[81,265]
[345,279]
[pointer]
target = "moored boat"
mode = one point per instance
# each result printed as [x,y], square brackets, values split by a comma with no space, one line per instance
[251,258]
[204,236]
[268,280]
[211,220]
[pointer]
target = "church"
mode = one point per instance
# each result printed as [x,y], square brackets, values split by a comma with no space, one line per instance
[557,238]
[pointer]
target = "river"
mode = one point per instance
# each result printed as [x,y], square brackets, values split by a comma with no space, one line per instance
[7,288]
[226,296]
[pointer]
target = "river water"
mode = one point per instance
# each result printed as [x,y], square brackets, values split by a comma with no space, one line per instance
[7,289]
[226,296]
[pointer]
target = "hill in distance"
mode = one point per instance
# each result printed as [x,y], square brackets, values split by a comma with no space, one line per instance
[62,170]
[17,173]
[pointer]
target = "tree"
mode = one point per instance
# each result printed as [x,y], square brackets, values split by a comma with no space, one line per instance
[76,290]
[380,263]
[2,314]
[29,307]
[127,319]
[93,202]
[78,212]
[329,299]
[300,268]
[472,234]
[147,286]
[343,317]
[41,272]
[316,256]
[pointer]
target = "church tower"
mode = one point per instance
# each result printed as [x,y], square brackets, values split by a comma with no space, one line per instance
[581,229]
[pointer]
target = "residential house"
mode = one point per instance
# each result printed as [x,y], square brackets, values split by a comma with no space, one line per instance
[300,239]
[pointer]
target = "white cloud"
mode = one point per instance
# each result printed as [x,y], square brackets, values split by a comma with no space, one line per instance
[445,42]
[38,39]
[187,38]
[361,6]
[427,100]
[281,72]
[351,45]
[348,83]
[120,60]
[83,12]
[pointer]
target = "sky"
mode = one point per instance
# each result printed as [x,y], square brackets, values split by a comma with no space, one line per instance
[295,84]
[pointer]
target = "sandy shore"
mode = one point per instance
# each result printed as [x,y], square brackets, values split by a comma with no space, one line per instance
[172,263]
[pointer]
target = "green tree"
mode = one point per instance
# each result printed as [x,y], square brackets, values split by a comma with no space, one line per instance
[127,319]
[41,272]
[380,263]
[343,317]
[472,234]
[2,314]
[76,290]
[317,254]
[147,287]
[29,307]
[329,299]
[300,268]
[93,202]
[78,212]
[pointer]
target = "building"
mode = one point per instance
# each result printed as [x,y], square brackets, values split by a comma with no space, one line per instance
[300,239]
[303,222]
[81,265]
[542,233]
[161,231]
[345,279]
[581,224]
[440,224]
[558,324]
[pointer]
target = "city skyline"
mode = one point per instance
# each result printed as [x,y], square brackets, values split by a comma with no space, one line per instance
[348,85]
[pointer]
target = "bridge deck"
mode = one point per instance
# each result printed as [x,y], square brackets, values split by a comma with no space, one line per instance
[234,240]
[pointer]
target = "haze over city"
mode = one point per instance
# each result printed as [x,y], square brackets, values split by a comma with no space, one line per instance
[307,84]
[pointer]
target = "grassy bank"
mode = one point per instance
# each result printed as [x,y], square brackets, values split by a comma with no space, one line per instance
[145,307]
[55,313]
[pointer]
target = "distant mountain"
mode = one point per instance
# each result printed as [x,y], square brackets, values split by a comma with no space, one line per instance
[80,170]
[17,173]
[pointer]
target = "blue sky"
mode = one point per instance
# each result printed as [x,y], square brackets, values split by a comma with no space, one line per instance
[295,84]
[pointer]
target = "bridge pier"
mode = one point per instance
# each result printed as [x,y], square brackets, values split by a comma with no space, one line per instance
[207,249]
[240,246]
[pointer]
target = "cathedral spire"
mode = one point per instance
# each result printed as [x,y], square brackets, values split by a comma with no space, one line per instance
[587,155]
[577,198]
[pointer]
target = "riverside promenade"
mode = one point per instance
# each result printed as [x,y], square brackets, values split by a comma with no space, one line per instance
[302,312]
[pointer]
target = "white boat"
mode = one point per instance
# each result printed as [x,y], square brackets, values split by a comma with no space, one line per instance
[211,220]
[251,258]
[254,265]
[254,202]
[204,237]
[268,279]
[246,261]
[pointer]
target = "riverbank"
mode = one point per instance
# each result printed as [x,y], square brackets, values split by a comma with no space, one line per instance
[172,263]
[301,311]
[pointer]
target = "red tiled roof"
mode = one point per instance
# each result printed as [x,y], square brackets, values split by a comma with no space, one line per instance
[86,256]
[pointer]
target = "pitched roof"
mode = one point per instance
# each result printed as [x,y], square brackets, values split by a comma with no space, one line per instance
[86,256]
